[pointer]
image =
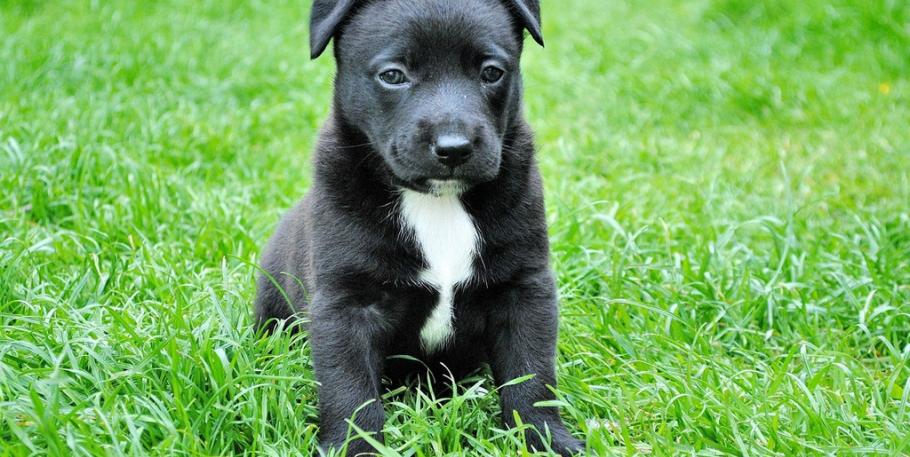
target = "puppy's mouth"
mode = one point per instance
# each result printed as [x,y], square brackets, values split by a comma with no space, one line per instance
[444,187]
[436,187]
[418,171]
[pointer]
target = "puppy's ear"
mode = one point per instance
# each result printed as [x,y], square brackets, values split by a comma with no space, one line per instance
[528,11]
[324,20]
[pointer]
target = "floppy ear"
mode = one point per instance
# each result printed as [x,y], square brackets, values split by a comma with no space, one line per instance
[324,20]
[528,11]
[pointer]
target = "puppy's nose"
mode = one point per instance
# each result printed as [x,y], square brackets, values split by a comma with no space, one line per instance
[452,150]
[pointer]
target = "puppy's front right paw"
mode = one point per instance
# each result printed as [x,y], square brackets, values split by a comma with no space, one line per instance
[354,448]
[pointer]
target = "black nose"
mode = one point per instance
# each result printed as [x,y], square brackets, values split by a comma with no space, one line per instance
[452,150]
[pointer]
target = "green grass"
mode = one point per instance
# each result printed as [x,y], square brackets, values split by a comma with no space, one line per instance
[727,181]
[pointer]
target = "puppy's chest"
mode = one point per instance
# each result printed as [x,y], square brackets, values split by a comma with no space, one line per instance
[447,239]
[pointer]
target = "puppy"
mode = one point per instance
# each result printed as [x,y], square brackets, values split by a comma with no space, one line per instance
[424,230]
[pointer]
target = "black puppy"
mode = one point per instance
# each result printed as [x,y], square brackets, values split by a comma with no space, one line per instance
[424,231]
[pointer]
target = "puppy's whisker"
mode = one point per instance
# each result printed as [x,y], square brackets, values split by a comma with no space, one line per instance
[355,146]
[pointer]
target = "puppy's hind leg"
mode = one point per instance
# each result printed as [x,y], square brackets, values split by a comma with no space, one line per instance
[280,290]
[272,305]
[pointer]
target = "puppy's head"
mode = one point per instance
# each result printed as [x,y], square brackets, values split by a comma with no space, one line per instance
[433,84]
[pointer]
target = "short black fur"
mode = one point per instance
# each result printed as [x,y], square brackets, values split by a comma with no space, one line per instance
[343,259]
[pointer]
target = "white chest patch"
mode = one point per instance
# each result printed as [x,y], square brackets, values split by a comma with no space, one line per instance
[448,240]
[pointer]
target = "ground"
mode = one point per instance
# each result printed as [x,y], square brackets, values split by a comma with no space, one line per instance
[727,189]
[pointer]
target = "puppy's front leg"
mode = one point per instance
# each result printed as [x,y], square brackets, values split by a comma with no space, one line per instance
[346,340]
[523,342]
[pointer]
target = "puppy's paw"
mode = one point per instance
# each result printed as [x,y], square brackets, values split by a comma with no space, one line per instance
[561,442]
[353,448]
[567,446]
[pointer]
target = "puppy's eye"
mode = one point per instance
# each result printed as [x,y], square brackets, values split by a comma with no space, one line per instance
[393,77]
[491,74]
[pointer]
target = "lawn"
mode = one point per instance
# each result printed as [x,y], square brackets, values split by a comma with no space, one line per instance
[728,190]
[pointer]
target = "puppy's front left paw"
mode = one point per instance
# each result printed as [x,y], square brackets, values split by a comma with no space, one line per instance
[567,446]
[561,441]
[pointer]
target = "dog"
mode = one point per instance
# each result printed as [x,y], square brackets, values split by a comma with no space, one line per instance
[424,232]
